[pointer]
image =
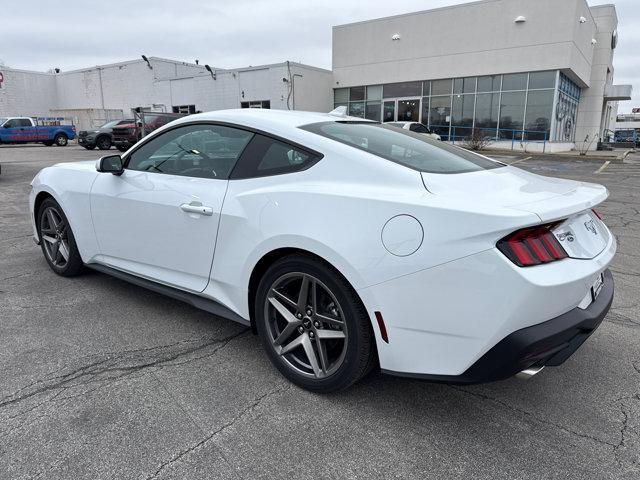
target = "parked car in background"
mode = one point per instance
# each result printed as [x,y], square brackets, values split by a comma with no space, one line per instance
[124,136]
[416,127]
[102,137]
[25,130]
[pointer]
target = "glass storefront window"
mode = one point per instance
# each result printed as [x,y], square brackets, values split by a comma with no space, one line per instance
[356,109]
[341,95]
[441,87]
[511,113]
[389,112]
[514,81]
[487,108]
[425,111]
[404,89]
[464,85]
[489,83]
[374,92]
[542,79]
[462,115]
[440,115]
[538,117]
[426,88]
[408,110]
[356,93]
[373,111]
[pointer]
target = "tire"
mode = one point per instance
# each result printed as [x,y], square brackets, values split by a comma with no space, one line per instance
[89,147]
[337,332]
[122,148]
[103,142]
[48,143]
[56,238]
[61,140]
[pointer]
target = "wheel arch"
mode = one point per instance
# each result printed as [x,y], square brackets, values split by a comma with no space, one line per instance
[269,258]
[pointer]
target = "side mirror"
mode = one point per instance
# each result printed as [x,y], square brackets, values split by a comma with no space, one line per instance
[110,164]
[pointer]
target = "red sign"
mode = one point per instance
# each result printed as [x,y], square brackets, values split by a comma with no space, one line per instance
[1,79]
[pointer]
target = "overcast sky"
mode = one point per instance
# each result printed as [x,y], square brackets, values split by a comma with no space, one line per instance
[35,35]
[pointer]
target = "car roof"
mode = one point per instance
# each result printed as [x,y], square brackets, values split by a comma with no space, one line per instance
[266,118]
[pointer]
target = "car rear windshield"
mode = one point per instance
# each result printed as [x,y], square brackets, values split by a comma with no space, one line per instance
[403,146]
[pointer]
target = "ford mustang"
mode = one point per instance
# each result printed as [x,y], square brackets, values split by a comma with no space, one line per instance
[345,244]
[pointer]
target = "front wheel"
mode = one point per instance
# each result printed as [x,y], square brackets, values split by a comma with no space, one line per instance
[57,240]
[103,143]
[61,140]
[313,325]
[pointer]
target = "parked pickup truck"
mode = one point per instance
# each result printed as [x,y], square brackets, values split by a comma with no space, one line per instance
[25,130]
[124,136]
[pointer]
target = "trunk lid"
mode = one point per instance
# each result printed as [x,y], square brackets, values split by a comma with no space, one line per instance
[580,232]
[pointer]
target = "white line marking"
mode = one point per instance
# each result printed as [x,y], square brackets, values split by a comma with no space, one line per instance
[603,166]
[521,160]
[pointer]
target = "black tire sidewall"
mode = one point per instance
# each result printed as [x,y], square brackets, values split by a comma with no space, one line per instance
[107,142]
[360,336]
[57,138]
[74,264]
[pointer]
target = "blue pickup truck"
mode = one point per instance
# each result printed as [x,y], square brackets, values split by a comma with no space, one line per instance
[25,130]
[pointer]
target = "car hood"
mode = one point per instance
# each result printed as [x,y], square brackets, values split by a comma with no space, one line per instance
[509,187]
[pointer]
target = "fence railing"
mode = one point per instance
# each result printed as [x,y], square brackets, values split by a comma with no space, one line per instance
[460,133]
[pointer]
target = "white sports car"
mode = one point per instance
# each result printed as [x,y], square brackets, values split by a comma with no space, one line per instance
[345,244]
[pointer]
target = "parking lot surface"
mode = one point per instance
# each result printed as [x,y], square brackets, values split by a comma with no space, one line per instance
[101,379]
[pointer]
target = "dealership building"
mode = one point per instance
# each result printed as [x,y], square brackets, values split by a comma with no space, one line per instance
[525,74]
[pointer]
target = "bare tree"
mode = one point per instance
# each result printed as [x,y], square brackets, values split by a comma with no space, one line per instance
[477,140]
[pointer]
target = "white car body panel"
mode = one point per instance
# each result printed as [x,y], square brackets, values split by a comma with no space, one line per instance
[444,305]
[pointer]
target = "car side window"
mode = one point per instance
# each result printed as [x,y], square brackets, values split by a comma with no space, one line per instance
[266,156]
[418,127]
[203,151]
[13,123]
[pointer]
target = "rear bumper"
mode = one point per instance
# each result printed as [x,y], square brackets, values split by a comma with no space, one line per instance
[546,344]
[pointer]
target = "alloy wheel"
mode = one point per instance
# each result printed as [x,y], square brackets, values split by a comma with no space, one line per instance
[306,325]
[55,236]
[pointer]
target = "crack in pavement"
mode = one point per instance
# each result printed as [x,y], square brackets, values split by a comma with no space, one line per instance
[245,411]
[532,415]
[113,364]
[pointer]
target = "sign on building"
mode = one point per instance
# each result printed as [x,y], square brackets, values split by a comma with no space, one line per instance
[633,110]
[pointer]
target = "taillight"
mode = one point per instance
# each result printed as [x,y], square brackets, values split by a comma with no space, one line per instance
[532,246]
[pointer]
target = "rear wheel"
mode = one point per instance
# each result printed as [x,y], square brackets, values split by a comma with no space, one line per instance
[103,143]
[57,240]
[313,325]
[61,140]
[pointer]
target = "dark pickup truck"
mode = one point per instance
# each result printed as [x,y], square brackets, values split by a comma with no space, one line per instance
[124,136]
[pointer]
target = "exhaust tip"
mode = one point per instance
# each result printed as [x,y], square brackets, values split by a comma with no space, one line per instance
[527,373]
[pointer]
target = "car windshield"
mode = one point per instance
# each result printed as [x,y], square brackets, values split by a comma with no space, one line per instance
[407,148]
[110,124]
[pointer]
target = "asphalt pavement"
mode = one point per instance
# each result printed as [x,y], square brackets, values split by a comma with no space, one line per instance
[100,379]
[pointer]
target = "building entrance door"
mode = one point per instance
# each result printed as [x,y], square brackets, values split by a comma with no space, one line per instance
[402,110]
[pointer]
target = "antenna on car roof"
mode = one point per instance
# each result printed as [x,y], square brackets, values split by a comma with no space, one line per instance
[340,111]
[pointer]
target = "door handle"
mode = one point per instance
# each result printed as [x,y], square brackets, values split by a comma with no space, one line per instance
[197,207]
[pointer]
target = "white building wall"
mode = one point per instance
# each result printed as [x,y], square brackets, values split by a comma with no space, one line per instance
[592,110]
[26,93]
[478,38]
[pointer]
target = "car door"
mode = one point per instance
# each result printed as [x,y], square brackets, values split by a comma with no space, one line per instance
[159,219]
[13,131]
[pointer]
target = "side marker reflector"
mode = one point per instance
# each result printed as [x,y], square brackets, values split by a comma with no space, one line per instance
[383,329]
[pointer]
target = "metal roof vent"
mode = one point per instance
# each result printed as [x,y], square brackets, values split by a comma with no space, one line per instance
[395,36]
[520,19]
[582,20]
